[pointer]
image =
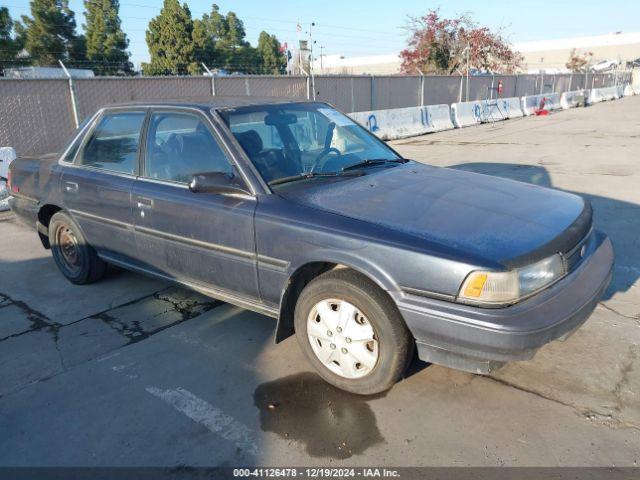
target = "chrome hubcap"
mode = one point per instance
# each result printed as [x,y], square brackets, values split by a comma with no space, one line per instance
[342,338]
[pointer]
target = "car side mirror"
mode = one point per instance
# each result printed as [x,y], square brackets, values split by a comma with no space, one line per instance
[216,182]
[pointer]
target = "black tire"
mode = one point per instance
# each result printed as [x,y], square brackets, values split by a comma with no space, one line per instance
[75,258]
[395,342]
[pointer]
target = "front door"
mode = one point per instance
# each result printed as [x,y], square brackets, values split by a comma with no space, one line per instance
[96,188]
[202,238]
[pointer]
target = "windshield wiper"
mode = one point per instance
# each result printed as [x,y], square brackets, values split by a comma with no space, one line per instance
[374,161]
[306,175]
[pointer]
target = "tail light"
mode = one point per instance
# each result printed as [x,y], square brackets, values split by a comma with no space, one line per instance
[11,187]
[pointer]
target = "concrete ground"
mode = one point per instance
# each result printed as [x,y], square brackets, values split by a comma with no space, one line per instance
[134,372]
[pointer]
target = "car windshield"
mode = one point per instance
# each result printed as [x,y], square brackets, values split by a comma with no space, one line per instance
[293,141]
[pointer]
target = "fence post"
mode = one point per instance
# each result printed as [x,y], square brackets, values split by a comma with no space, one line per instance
[353,101]
[421,88]
[467,85]
[515,86]
[72,92]
[586,78]
[373,93]
[213,82]
[308,88]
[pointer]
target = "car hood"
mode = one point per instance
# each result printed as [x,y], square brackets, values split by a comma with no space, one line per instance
[500,220]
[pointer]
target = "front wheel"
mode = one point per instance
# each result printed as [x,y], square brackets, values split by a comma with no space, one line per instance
[352,332]
[75,258]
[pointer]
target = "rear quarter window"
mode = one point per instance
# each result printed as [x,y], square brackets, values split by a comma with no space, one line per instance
[77,141]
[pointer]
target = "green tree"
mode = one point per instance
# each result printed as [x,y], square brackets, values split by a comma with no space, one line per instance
[170,41]
[49,34]
[235,33]
[78,53]
[271,58]
[9,46]
[209,34]
[204,42]
[217,24]
[106,43]
[243,59]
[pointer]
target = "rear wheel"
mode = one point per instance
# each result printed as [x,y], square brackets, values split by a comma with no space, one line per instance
[75,258]
[352,332]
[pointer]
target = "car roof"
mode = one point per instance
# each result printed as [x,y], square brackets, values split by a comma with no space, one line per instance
[217,102]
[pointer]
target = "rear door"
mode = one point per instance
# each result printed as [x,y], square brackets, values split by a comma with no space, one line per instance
[201,238]
[96,187]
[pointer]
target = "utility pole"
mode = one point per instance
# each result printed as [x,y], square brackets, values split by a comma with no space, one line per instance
[300,61]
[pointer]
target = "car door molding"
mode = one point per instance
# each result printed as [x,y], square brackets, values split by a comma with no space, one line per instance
[196,243]
[274,262]
[98,218]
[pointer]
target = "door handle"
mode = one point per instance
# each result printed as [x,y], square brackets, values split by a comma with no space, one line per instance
[145,203]
[71,187]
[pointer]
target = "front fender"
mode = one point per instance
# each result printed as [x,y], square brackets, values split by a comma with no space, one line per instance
[285,325]
[349,259]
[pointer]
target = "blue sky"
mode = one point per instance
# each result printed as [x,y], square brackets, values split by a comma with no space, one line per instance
[369,27]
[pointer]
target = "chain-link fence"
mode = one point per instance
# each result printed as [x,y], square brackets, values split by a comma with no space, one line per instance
[36,116]
[94,93]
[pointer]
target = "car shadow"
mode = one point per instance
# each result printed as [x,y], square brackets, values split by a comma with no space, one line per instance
[188,348]
[618,219]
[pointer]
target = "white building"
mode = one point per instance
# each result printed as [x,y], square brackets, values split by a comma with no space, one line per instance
[552,55]
[388,64]
[547,55]
[46,72]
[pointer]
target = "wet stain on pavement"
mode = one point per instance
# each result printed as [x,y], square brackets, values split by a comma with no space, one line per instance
[36,319]
[142,318]
[328,421]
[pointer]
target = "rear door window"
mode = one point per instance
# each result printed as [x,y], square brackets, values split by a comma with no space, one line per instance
[113,144]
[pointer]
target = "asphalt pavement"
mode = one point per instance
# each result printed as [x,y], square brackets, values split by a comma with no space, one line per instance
[132,371]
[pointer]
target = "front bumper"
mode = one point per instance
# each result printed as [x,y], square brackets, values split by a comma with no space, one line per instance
[480,340]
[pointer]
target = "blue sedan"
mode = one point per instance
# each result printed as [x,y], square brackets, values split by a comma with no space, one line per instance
[293,210]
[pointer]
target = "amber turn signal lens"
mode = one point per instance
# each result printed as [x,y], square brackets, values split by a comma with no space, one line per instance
[474,287]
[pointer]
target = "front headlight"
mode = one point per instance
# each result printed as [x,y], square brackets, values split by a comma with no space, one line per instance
[499,288]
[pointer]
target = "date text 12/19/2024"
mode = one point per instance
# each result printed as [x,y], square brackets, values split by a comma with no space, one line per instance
[315,473]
